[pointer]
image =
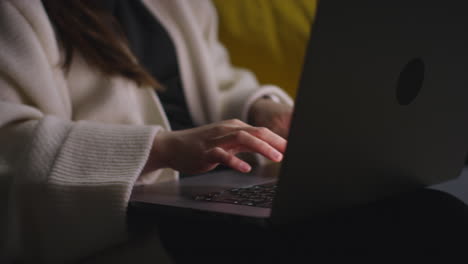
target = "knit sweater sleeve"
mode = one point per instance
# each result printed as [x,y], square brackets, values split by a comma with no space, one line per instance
[64,186]
[239,87]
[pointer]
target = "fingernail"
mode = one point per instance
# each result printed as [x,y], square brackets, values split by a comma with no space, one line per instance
[245,167]
[277,156]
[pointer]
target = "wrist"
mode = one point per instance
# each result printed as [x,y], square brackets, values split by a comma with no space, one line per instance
[156,159]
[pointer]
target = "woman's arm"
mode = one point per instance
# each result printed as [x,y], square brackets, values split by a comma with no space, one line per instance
[240,91]
[64,185]
[239,87]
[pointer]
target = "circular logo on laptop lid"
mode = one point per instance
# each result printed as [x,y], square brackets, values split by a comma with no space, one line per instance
[410,82]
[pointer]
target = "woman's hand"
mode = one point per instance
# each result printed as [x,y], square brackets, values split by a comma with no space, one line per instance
[273,115]
[201,149]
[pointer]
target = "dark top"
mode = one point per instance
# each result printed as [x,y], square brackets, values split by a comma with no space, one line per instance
[154,49]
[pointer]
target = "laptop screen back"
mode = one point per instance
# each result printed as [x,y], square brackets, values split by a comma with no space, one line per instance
[382,106]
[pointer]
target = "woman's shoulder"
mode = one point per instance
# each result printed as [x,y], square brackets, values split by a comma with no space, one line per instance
[25,27]
[24,15]
[26,9]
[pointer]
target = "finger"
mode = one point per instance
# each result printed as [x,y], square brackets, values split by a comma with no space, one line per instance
[237,122]
[269,137]
[226,127]
[219,155]
[240,140]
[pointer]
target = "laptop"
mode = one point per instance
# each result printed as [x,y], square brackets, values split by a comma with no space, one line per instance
[382,108]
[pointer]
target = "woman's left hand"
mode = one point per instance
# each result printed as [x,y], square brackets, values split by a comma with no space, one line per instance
[275,116]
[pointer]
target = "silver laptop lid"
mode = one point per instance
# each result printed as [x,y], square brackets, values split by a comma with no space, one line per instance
[382,106]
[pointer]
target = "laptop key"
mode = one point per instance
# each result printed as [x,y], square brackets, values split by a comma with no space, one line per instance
[257,195]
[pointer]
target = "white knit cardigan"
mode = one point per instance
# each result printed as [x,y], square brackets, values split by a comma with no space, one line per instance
[72,145]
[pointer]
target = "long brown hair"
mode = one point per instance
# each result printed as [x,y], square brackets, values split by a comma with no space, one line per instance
[82,26]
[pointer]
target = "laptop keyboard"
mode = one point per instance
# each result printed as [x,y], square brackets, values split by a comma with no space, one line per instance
[257,195]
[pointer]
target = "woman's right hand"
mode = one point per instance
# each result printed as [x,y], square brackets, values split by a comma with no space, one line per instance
[201,149]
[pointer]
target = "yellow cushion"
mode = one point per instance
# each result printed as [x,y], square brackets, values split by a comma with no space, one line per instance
[267,36]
